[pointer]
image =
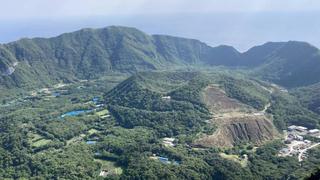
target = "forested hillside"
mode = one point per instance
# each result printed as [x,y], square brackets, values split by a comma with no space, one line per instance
[92,53]
[117,103]
[309,96]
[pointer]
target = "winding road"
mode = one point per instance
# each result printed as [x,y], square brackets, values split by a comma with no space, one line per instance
[303,151]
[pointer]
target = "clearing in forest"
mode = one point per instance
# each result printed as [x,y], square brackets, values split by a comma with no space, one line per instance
[235,121]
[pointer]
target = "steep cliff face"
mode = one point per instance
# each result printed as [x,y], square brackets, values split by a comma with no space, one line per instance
[246,129]
[236,123]
[250,129]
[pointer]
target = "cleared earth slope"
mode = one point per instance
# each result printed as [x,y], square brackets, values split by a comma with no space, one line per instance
[236,122]
[192,103]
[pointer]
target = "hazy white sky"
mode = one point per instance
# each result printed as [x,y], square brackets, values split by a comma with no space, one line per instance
[13,9]
[242,23]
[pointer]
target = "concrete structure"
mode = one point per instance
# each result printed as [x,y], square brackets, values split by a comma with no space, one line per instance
[291,137]
[166,97]
[291,128]
[99,105]
[301,128]
[285,151]
[307,141]
[296,145]
[297,128]
[105,116]
[104,173]
[313,131]
[299,138]
[168,142]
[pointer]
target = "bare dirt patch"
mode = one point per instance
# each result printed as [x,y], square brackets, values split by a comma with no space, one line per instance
[218,102]
[235,122]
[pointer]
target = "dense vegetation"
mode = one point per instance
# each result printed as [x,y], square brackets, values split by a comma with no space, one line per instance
[135,105]
[287,110]
[290,64]
[92,53]
[246,92]
[34,139]
[309,97]
[37,143]
[123,121]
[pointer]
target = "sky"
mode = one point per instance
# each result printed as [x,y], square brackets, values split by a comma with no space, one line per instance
[239,23]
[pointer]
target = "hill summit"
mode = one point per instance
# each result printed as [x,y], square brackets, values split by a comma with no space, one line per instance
[91,53]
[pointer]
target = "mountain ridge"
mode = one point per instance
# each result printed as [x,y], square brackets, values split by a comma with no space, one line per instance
[90,53]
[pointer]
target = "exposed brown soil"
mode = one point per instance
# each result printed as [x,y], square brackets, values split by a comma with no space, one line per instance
[235,122]
[219,102]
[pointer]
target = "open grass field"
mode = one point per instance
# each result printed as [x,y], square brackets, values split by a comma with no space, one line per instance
[242,161]
[110,167]
[41,142]
[102,113]
[37,140]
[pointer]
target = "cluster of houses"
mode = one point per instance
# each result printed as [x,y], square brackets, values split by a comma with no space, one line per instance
[303,131]
[167,142]
[47,93]
[296,144]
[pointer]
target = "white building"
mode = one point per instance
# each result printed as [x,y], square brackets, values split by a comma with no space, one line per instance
[301,128]
[299,138]
[104,173]
[168,142]
[284,150]
[314,131]
[166,97]
[292,127]
[307,141]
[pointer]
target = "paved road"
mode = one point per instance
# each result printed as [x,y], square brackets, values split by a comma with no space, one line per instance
[303,151]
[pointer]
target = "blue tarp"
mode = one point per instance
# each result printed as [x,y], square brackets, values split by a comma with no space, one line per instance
[91,142]
[75,113]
